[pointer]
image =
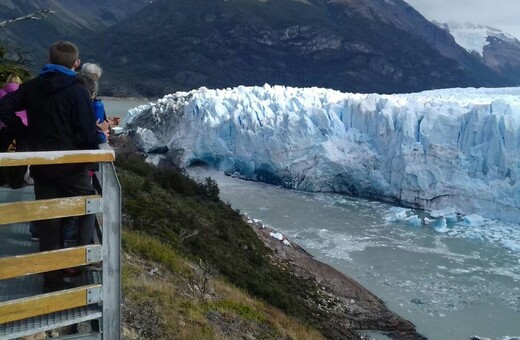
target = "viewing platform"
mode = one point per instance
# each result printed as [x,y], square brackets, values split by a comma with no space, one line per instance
[93,300]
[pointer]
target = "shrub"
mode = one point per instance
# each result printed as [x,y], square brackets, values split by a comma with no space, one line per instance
[168,205]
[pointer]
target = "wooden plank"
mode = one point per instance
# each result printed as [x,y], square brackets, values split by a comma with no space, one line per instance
[56,157]
[29,264]
[44,209]
[43,304]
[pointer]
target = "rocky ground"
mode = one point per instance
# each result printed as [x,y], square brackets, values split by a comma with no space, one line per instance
[348,305]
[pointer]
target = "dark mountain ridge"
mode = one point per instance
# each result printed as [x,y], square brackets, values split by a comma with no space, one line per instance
[350,45]
[71,19]
[496,49]
[150,49]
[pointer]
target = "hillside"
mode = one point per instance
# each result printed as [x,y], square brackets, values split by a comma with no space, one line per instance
[183,244]
[498,50]
[150,48]
[357,46]
[72,19]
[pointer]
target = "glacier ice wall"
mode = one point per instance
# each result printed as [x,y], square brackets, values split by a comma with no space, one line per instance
[445,148]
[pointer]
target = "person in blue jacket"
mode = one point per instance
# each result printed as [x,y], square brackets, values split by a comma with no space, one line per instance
[95,71]
[60,117]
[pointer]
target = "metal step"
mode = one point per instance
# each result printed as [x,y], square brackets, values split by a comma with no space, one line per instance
[16,329]
[17,242]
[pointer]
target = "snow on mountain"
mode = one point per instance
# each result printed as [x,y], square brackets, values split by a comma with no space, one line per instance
[475,37]
[456,148]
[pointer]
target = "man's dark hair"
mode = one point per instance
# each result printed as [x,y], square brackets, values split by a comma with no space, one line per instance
[63,53]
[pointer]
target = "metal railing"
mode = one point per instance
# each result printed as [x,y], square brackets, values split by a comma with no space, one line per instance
[106,204]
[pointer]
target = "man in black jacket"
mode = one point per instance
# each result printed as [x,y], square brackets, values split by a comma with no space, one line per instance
[60,117]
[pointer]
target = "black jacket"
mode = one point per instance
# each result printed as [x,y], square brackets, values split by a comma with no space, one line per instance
[59,113]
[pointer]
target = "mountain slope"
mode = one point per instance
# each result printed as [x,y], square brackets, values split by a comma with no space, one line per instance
[403,16]
[359,46]
[73,19]
[498,50]
[149,48]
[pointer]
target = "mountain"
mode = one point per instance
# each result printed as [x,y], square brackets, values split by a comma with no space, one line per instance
[451,148]
[149,48]
[498,50]
[72,19]
[349,45]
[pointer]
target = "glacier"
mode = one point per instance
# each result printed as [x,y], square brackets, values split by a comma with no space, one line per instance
[450,148]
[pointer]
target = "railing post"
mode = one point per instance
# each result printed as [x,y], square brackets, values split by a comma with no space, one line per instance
[111,239]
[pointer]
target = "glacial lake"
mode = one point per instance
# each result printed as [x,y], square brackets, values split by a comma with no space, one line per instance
[452,283]
[119,106]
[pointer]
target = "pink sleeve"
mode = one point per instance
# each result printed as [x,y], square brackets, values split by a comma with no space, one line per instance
[23,116]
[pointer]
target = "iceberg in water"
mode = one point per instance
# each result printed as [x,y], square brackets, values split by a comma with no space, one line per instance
[474,220]
[414,221]
[456,148]
[396,214]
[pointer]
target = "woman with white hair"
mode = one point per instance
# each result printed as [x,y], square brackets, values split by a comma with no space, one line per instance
[95,71]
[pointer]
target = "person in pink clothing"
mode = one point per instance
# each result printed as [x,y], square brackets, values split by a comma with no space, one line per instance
[12,83]
[15,177]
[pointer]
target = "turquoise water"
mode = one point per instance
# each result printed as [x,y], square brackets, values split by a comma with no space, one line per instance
[452,282]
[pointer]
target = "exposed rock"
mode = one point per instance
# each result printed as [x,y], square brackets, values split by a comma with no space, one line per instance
[348,305]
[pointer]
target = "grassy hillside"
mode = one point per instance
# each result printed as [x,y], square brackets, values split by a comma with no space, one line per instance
[204,251]
[167,296]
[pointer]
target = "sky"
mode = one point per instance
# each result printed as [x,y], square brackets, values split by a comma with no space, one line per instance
[502,14]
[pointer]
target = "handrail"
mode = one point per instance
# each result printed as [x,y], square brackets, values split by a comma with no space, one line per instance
[46,261]
[104,154]
[108,203]
[48,303]
[46,209]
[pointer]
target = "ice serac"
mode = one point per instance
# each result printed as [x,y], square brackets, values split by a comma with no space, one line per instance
[445,148]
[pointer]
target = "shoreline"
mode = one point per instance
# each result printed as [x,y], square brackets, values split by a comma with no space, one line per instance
[125,98]
[351,308]
[341,305]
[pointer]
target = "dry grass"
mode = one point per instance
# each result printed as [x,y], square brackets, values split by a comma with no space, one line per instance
[161,302]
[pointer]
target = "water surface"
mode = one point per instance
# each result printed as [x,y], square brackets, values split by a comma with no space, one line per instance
[452,281]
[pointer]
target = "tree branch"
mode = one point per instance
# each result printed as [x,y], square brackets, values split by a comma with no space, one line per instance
[38,15]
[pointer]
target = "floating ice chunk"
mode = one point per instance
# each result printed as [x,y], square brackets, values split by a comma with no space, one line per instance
[473,220]
[439,222]
[414,221]
[428,220]
[451,218]
[443,212]
[396,214]
[277,236]
[442,230]
[511,245]
[440,225]
[474,235]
